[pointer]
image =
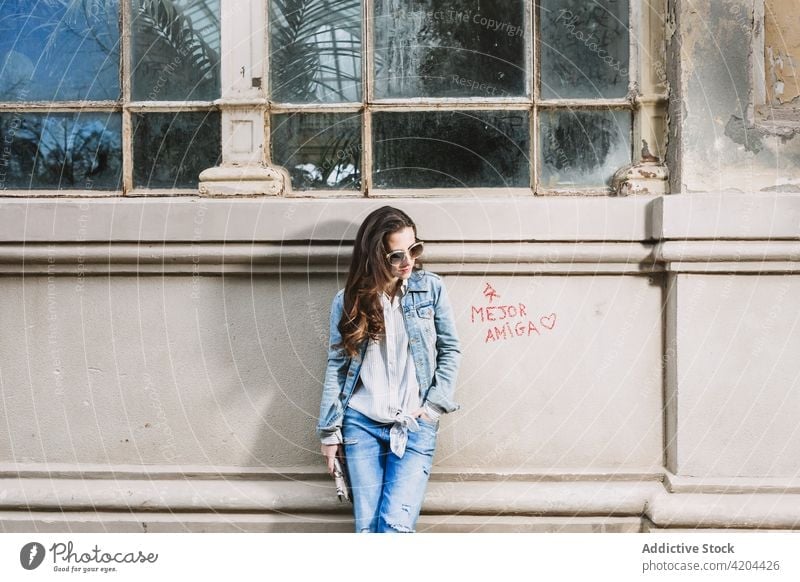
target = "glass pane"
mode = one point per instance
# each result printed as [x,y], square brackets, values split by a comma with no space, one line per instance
[319,150]
[315,51]
[171,149]
[176,48]
[449,48]
[584,48]
[583,149]
[59,50]
[451,149]
[64,151]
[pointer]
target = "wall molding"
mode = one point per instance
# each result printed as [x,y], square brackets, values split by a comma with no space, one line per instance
[470,258]
[204,258]
[294,504]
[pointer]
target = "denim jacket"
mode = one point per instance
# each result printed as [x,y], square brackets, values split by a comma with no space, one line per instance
[434,345]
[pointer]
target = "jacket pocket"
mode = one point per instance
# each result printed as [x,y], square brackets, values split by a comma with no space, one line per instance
[425,312]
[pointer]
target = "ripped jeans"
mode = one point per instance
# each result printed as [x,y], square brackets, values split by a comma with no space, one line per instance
[387,490]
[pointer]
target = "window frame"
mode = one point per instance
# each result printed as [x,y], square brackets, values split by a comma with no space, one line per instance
[532,103]
[246,109]
[127,107]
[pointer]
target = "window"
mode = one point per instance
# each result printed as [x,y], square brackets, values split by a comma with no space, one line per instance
[108,95]
[124,96]
[389,95]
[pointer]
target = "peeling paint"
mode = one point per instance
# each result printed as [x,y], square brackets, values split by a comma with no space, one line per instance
[737,130]
[782,58]
[726,136]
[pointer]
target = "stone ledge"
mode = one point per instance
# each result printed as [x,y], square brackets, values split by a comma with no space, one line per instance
[724,215]
[208,258]
[311,505]
[93,522]
[256,258]
[729,485]
[279,219]
[707,510]
[303,496]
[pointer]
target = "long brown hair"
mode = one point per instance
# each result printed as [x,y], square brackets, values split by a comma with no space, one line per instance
[368,277]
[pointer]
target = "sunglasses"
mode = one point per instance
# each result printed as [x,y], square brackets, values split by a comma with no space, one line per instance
[396,258]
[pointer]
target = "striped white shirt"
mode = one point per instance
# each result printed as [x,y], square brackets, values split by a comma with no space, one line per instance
[388,380]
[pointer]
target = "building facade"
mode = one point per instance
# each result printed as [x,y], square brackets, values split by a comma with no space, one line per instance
[610,190]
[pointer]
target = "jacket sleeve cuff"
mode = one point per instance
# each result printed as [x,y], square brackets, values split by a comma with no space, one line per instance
[433,411]
[332,438]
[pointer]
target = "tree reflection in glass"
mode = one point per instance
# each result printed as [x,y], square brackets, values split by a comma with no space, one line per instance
[319,150]
[171,149]
[61,151]
[59,50]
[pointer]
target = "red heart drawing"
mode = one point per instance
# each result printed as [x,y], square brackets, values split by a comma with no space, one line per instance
[548,321]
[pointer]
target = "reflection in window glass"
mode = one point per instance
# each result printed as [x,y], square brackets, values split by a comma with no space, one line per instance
[64,151]
[315,51]
[171,149]
[583,149]
[176,46]
[59,51]
[446,149]
[449,48]
[584,48]
[319,150]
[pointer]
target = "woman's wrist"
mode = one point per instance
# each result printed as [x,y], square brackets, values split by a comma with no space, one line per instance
[334,438]
[432,411]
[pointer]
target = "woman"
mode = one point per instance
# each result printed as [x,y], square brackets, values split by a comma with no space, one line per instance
[392,363]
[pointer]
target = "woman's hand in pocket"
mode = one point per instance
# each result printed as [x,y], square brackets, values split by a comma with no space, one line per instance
[420,413]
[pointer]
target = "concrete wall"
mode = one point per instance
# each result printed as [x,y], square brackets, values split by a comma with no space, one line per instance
[169,380]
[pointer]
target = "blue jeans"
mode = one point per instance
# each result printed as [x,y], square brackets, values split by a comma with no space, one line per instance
[387,490]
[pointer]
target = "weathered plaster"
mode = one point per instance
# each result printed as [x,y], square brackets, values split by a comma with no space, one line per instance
[720,145]
[782,58]
[675,109]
